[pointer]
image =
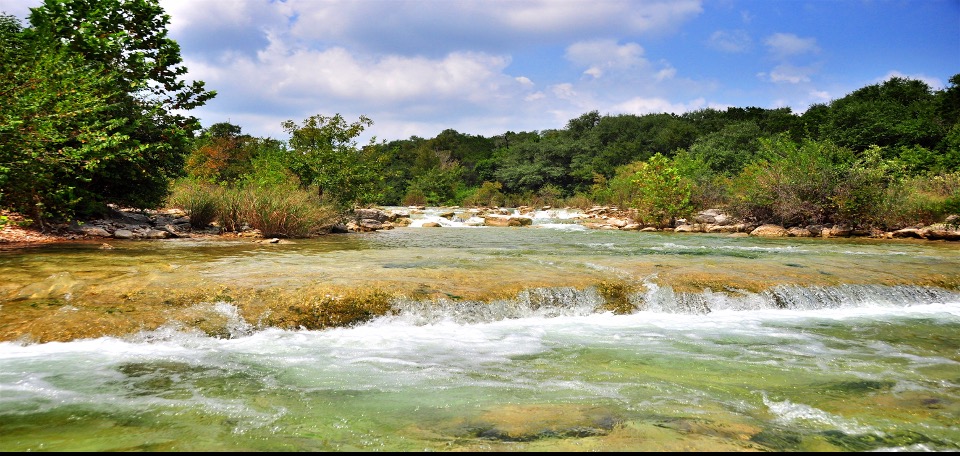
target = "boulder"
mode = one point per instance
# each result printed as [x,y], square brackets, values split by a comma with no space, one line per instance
[800,232]
[123,234]
[371,214]
[155,234]
[914,233]
[770,230]
[687,228]
[836,231]
[943,235]
[95,231]
[501,220]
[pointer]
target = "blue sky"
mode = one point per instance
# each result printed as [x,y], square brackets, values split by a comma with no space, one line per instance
[486,67]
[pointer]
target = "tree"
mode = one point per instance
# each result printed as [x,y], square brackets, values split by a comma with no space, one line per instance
[128,39]
[661,191]
[727,151]
[898,112]
[56,128]
[325,155]
[222,154]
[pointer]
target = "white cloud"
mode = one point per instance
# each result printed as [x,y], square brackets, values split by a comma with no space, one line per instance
[790,74]
[733,41]
[820,96]
[564,91]
[524,81]
[666,73]
[441,26]
[626,15]
[602,55]
[534,96]
[641,106]
[788,44]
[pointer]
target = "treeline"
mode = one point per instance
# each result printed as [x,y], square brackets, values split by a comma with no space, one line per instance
[884,156]
[91,96]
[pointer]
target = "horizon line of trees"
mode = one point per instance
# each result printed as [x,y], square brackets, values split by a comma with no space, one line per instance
[883,156]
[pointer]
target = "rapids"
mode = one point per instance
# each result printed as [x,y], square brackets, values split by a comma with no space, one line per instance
[549,337]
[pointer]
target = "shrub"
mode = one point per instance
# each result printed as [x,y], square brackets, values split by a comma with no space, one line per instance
[921,200]
[200,200]
[285,211]
[489,194]
[792,184]
[661,192]
[415,197]
[580,201]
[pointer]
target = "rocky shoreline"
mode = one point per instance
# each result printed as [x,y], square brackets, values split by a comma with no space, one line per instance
[175,223]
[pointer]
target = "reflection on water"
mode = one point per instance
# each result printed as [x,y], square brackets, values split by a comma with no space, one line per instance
[496,339]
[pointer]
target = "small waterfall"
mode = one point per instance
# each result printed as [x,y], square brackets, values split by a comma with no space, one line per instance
[568,301]
[536,302]
[790,297]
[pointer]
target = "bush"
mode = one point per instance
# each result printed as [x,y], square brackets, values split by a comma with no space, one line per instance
[792,184]
[230,208]
[580,201]
[489,194]
[200,200]
[285,211]
[921,200]
[661,192]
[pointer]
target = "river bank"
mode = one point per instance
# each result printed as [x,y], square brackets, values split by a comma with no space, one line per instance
[174,223]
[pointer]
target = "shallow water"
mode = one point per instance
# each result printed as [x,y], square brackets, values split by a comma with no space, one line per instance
[498,341]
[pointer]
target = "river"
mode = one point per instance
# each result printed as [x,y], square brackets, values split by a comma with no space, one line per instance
[549,337]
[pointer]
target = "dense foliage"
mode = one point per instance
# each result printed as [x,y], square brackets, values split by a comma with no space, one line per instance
[91,96]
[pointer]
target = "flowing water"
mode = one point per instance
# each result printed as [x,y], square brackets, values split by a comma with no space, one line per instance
[498,339]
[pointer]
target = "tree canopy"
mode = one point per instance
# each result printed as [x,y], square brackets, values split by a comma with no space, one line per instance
[93,101]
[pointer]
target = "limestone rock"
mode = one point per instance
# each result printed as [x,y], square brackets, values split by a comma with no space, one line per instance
[770,230]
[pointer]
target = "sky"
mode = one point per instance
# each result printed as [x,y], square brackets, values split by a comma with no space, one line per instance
[486,67]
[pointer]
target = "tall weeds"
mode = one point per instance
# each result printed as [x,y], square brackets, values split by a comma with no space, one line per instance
[200,200]
[276,211]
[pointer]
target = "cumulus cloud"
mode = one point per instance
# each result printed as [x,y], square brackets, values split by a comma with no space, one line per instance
[787,44]
[601,55]
[440,26]
[412,63]
[790,74]
[734,41]
[668,72]
[641,105]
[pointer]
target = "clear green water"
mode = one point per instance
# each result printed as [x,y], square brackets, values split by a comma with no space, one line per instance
[844,345]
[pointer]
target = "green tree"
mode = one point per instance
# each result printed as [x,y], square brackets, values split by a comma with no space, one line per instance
[728,150]
[324,154]
[662,191]
[798,183]
[56,129]
[129,38]
[87,111]
[894,114]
